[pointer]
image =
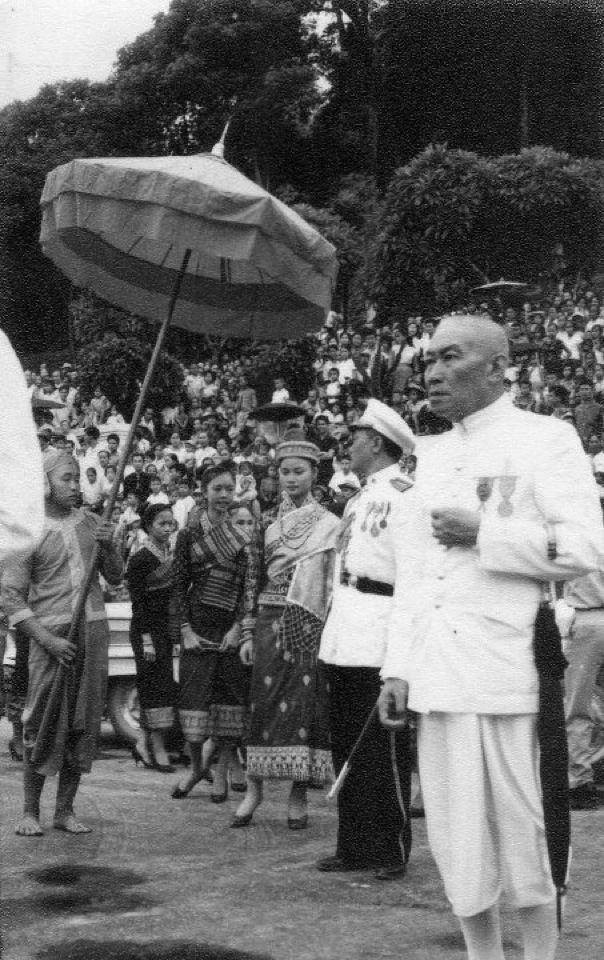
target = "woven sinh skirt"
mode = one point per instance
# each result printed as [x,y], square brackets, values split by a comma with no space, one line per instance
[154,680]
[288,737]
[214,687]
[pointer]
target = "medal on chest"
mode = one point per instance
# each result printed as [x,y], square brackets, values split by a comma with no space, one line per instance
[504,484]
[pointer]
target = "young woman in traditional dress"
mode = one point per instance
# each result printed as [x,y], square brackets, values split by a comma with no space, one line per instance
[149,576]
[215,590]
[288,736]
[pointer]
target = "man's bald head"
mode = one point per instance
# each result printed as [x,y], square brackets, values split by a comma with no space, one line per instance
[465,364]
[478,330]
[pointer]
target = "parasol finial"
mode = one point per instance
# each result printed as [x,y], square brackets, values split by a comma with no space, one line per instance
[218,148]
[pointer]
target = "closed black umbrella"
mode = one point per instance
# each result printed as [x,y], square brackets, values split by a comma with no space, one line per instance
[553,748]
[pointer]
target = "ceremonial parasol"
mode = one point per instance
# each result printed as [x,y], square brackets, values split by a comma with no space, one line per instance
[142,232]
[275,419]
[185,240]
[499,287]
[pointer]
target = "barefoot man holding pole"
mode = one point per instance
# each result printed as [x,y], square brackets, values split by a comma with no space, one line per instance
[67,679]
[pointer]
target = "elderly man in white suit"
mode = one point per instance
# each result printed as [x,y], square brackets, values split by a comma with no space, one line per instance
[491,495]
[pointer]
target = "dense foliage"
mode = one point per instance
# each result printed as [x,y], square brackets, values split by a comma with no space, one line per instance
[326,100]
[452,220]
[113,351]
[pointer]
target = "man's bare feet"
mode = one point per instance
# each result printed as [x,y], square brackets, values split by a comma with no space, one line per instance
[29,826]
[70,825]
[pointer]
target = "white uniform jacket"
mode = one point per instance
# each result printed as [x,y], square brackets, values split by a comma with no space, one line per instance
[373,529]
[462,635]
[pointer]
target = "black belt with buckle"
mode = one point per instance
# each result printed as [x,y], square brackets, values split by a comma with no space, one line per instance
[365,585]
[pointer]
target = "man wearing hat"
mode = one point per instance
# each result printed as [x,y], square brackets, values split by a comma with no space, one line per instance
[505,501]
[67,677]
[373,805]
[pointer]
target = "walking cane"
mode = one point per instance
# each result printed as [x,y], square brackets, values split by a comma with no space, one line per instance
[339,783]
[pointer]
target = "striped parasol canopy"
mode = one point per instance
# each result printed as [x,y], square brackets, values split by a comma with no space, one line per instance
[122,227]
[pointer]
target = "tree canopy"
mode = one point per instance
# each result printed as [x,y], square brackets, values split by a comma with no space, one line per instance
[322,96]
[452,219]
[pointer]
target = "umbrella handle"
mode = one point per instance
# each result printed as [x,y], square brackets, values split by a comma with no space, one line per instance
[125,453]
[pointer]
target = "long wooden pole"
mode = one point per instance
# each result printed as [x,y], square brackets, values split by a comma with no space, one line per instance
[125,452]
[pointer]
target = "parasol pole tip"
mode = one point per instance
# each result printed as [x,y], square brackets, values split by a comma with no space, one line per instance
[218,148]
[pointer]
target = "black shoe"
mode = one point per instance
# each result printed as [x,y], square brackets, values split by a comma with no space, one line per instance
[391,871]
[243,821]
[337,865]
[163,767]
[179,793]
[139,758]
[584,797]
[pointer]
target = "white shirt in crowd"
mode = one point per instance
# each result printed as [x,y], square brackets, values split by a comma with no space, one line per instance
[346,369]
[181,510]
[93,493]
[572,342]
[344,476]
[160,497]
[204,453]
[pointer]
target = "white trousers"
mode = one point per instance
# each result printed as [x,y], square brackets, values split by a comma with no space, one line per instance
[584,651]
[484,815]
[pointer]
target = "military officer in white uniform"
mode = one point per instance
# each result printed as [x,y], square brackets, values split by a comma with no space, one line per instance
[491,495]
[373,830]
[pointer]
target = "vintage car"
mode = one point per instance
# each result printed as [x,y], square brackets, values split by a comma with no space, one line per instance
[122,707]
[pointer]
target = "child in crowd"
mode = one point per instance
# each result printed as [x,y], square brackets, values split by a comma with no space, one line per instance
[157,495]
[183,504]
[245,485]
[135,537]
[130,510]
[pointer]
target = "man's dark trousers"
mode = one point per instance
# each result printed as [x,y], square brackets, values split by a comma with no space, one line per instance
[372,830]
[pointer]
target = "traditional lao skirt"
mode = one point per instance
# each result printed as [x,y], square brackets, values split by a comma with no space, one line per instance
[214,686]
[288,735]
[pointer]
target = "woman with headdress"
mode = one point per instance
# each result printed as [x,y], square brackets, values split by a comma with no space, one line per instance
[149,576]
[288,734]
[214,592]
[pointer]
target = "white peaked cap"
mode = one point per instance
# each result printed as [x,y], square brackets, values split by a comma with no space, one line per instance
[386,421]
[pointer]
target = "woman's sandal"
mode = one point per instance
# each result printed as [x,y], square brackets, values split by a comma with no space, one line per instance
[179,794]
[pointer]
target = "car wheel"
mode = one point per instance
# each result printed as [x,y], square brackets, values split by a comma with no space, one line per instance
[124,709]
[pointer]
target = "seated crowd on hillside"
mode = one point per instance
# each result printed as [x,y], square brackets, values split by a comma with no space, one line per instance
[556,369]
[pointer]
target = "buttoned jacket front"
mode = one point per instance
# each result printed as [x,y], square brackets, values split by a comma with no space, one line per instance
[462,635]
[373,526]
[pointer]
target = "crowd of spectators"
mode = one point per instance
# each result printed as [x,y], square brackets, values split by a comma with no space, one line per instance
[556,369]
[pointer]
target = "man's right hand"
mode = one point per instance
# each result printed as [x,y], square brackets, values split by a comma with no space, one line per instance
[190,639]
[392,704]
[63,650]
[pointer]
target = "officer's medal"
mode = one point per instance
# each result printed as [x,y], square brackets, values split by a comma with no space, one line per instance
[484,489]
[507,486]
